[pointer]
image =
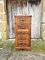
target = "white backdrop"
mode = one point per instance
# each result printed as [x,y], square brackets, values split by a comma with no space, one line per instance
[34,10]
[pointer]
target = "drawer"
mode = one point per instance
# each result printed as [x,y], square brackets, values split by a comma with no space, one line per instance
[23,31]
[23,26]
[23,45]
[23,37]
[21,19]
[23,41]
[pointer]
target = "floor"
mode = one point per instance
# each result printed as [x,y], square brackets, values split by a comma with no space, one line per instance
[9,53]
[19,55]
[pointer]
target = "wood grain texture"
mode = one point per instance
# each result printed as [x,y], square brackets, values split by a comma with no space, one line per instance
[23,32]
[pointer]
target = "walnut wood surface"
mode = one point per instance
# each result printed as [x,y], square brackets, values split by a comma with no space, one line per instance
[23,32]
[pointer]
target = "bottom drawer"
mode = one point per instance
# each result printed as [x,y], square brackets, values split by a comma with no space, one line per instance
[23,40]
[23,45]
[23,36]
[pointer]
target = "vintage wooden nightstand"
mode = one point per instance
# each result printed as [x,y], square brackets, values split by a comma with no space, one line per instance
[23,32]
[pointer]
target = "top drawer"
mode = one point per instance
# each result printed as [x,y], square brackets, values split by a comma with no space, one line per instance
[21,19]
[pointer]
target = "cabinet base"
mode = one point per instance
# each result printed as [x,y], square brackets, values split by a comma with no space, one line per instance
[23,48]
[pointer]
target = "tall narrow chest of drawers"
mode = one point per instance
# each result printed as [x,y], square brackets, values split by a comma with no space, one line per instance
[23,32]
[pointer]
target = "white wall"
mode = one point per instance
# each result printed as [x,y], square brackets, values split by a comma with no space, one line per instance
[35,11]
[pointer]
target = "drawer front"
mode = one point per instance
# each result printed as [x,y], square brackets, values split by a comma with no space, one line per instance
[23,26]
[23,36]
[22,19]
[23,44]
[23,22]
[23,31]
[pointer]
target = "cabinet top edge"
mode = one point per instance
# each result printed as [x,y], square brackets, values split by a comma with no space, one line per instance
[22,16]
